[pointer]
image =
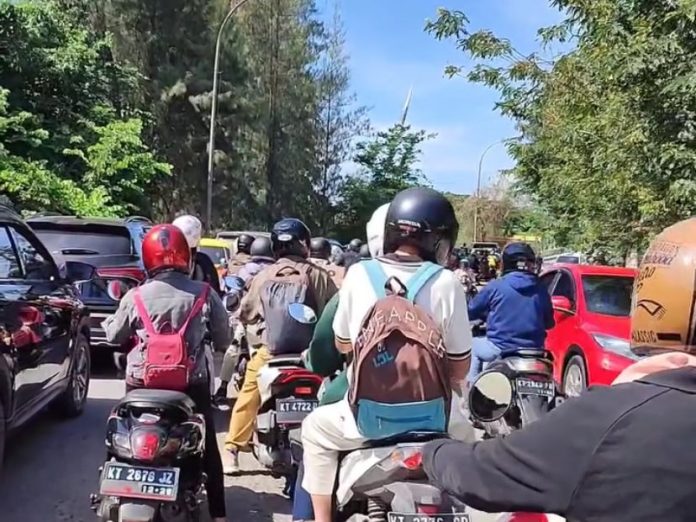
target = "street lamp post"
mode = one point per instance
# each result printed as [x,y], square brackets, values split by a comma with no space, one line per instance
[213,113]
[478,187]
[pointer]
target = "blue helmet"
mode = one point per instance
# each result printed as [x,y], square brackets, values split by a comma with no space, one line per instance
[290,237]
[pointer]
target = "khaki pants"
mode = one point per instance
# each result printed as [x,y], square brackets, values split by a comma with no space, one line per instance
[248,404]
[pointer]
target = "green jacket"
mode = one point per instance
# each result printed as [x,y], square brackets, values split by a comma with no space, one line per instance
[324,359]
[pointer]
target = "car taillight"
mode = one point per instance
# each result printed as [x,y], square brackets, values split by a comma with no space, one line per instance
[145,444]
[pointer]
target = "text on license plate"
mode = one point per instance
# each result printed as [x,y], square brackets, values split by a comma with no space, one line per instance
[532,387]
[289,411]
[122,480]
[442,517]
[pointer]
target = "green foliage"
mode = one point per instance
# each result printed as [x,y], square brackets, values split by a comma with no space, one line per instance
[68,140]
[387,165]
[607,130]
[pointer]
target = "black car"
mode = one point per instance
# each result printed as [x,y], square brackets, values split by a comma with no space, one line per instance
[44,331]
[113,246]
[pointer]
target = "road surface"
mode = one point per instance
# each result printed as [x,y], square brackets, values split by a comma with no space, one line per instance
[51,469]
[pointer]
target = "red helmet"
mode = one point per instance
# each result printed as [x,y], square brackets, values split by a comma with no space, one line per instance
[165,246]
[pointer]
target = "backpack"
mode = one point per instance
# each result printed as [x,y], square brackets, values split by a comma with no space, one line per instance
[400,369]
[288,284]
[167,364]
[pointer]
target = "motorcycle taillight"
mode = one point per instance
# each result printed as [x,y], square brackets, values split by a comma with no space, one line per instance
[145,444]
[427,509]
[527,517]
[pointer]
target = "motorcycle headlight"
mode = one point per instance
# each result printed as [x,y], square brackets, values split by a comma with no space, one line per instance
[615,345]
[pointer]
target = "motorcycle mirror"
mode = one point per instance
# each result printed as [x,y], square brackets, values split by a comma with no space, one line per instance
[233,282]
[302,313]
[490,396]
[231,302]
[116,289]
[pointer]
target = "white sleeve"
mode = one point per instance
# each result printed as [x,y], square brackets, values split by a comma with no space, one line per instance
[341,322]
[457,334]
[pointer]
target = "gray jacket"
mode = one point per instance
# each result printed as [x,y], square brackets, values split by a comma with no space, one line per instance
[169,298]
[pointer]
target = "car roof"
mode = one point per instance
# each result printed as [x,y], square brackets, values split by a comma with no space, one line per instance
[212,242]
[233,234]
[7,215]
[584,269]
[80,220]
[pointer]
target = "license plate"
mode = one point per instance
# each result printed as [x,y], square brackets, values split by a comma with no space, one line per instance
[123,480]
[532,387]
[293,411]
[441,517]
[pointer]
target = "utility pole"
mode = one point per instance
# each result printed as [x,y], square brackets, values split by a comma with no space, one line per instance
[478,187]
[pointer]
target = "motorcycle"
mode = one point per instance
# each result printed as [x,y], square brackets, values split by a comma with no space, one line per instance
[234,286]
[288,394]
[154,470]
[514,392]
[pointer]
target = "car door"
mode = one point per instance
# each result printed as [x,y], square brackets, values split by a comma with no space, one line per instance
[561,336]
[45,315]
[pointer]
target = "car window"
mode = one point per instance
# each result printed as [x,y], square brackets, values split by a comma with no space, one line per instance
[9,263]
[568,259]
[36,266]
[608,295]
[84,239]
[565,288]
[547,279]
[216,254]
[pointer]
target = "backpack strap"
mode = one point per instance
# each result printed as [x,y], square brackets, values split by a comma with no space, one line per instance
[418,280]
[377,277]
[142,312]
[197,307]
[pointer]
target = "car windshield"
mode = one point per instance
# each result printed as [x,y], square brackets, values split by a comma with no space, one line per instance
[85,239]
[216,254]
[608,295]
[568,259]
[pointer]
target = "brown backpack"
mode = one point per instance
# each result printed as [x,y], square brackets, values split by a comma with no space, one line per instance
[400,374]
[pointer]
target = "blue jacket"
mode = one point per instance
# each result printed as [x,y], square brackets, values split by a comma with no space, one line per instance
[517,311]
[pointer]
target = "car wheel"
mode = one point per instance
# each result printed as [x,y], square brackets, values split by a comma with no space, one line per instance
[575,376]
[3,434]
[72,400]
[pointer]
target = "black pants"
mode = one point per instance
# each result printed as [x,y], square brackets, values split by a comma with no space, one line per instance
[212,462]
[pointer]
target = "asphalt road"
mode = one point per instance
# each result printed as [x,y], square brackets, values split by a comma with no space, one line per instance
[51,469]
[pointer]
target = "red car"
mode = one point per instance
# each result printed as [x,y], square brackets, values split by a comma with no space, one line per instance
[592,306]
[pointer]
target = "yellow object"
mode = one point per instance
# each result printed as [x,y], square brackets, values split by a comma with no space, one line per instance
[247,405]
[217,250]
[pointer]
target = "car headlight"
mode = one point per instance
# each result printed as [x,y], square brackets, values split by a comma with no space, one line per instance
[615,345]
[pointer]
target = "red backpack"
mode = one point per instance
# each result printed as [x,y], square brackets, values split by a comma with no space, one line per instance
[167,364]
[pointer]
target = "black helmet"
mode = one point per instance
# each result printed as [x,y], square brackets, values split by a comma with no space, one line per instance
[290,237]
[244,243]
[518,256]
[319,248]
[261,247]
[354,245]
[422,218]
[365,252]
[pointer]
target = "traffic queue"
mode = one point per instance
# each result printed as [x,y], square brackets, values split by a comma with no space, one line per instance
[350,363]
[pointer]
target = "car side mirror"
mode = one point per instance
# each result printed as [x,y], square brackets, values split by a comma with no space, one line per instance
[562,305]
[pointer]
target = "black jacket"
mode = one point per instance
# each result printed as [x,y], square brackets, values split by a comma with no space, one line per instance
[615,454]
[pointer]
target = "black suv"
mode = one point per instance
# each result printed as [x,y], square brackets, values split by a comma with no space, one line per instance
[113,246]
[44,331]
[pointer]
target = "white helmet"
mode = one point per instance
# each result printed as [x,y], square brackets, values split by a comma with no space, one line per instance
[375,231]
[191,227]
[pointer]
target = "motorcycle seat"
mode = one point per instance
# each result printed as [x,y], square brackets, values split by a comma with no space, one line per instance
[416,436]
[286,360]
[146,398]
[530,352]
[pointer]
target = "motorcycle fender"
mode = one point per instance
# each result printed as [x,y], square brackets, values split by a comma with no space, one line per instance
[354,466]
[137,512]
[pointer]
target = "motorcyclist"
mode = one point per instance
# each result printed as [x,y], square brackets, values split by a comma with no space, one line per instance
[320,255]
[261,255]
[620,453]
[354,245]
[365,251]
[203,268]
[516,309]
[463,273]
[169,295]
[420,226]
[242,255]
[323,358]
[290,240]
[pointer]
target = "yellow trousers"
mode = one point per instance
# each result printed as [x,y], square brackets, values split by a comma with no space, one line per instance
[247,405]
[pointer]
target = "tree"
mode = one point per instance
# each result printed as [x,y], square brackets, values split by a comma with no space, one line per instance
[63,111]
[338,122]
[387,165]
[607,130]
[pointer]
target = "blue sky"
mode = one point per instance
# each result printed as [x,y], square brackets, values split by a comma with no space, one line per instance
[389,51]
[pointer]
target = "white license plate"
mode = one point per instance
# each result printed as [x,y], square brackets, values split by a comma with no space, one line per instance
[533,387]
[124,480]
[440,517]
[293,411]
